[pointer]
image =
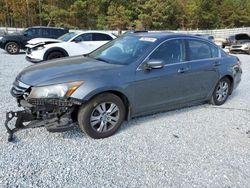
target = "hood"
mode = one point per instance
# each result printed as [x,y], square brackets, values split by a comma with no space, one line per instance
[62,70]
[39,41]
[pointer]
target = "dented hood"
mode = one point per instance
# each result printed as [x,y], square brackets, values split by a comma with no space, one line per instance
[41,41]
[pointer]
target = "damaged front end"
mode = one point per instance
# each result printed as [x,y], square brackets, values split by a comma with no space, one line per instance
[55,114]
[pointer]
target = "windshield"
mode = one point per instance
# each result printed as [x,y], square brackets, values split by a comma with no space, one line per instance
[66,37]
[242,37]
[123,50]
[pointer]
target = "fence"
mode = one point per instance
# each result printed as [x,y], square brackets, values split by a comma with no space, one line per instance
[217,33]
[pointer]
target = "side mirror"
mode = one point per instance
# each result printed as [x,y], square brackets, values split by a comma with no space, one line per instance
[77,40]
[154,64]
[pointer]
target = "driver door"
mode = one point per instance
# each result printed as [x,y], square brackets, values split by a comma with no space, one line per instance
[82,44]
[165,87]
[30,34]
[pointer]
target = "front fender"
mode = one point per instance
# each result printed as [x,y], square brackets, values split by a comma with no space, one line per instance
[85,94]
[58,49]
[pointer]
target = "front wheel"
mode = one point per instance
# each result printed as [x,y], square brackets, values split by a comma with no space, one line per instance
[102,116]
[221,92]
[55,55]
[12,48]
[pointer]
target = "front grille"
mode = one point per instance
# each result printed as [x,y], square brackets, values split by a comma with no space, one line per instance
[19,89]
[236,46]
[50,101]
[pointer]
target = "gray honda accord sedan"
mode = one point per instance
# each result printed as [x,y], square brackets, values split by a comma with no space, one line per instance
[131,76]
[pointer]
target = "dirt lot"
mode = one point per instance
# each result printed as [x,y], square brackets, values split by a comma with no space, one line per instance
[202,146]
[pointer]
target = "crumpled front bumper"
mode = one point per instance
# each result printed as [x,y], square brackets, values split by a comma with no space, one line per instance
[53,114]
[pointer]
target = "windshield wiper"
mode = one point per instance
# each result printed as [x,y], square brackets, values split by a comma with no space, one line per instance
[101,59]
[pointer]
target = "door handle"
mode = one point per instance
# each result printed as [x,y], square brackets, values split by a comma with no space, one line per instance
[182,70]
[217,63]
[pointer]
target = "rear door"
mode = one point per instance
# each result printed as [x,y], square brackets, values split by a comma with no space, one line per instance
[203,68]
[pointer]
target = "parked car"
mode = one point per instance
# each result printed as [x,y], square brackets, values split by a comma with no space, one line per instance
[70,44]
[131,76]
[236,39]
[12,43]
[239,43]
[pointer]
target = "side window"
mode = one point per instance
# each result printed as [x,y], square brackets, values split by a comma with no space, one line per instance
[45,32]
[101,37]
[84,37]
[58,32]
[170,52]
[199,50]
[53,32]
[32,32]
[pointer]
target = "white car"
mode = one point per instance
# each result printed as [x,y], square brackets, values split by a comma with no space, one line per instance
[70,44]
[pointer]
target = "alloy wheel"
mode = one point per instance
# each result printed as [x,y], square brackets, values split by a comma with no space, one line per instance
[222,91]
[12,48]
[104,117]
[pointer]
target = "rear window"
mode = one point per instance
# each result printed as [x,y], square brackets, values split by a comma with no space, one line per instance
[201,50]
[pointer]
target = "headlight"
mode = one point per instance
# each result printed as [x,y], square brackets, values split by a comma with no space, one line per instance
[39,48]
[54,91]
[1,38]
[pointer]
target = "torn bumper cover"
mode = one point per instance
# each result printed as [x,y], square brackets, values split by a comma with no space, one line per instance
[53,114]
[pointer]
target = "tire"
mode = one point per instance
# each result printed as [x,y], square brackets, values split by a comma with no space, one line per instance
[12,48]
[221,92]
[55,55]
[101,116]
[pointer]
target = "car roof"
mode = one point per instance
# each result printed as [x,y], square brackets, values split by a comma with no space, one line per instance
[46,27]
[91,31]
[165,35]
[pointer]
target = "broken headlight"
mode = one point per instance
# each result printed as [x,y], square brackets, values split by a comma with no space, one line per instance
[54,91]
[39,47]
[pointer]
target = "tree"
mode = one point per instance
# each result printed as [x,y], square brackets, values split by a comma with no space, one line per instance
[122,14]
[118,16]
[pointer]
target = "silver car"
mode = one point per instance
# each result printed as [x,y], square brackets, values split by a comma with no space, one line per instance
[131,76]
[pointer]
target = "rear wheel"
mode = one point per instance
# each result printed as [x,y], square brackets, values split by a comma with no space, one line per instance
[221,92]
[55,55]
[12,48]
[102,116]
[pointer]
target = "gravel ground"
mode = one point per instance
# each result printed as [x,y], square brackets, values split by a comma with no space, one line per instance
[201,146]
